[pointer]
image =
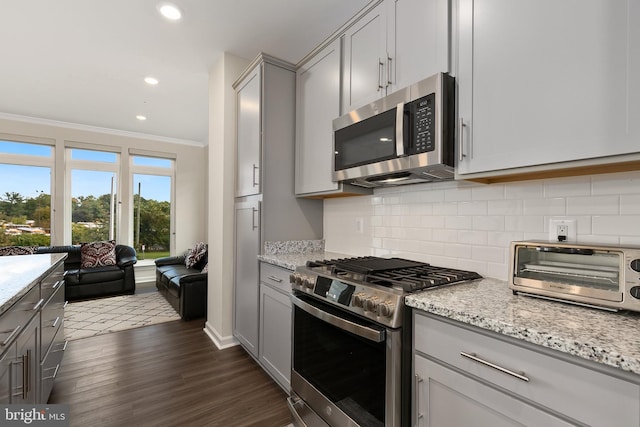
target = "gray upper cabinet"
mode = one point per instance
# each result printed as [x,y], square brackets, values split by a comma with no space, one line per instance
[546,82]
[419,36]
[318,103]
[378,53]
[366,56]
[394,45]
[248,138]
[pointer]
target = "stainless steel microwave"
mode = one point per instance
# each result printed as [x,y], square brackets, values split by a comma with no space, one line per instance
[403,138]
[606,277]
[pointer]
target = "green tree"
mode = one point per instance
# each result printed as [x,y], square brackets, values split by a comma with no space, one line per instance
[12,204]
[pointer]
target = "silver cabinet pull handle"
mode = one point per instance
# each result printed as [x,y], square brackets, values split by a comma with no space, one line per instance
[55,322]
[389,82]
[461,154]
[55,373]
[380,71]
[58,283]
[416,393]
[255,168]
[253,218]
[11,335]
[275,279]
[475,358]
[37,306]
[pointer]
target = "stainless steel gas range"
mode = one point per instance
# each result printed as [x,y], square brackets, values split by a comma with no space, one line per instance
[352,340]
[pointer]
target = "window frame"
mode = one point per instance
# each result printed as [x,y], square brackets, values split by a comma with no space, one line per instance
[155,171]
[36,161]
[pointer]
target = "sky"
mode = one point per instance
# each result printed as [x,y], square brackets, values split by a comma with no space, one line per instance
[29,181]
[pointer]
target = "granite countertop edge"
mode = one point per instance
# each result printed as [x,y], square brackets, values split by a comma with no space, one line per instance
[291,261]
[10,294]
[546,330]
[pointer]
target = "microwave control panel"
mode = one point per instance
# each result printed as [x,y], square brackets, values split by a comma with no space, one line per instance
[423,115]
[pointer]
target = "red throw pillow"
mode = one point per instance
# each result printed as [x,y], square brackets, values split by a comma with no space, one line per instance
[98,254]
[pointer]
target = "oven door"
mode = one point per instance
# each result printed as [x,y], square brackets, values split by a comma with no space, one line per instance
[346,369]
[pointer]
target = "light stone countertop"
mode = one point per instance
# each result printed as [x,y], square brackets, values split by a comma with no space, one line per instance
[19,273]
[292,260]
[609,338]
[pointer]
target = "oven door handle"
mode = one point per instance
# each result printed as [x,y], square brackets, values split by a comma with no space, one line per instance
[354,328]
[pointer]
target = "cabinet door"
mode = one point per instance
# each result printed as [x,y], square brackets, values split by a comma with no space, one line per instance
[6,360]
[417,40]
[246,294]
[275,334]
[318,103]
[543,82]
[365,58]
[444,397]
[25,368]
[248,97]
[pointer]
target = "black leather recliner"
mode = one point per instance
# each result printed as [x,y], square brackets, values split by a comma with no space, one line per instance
[83,283]
[184,288]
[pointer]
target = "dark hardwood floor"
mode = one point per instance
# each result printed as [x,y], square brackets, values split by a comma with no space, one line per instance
[169,374]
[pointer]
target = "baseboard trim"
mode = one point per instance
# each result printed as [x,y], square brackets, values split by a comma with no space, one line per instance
[220,341]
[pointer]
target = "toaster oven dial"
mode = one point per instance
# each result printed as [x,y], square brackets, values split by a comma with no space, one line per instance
[635,292]
[635,265]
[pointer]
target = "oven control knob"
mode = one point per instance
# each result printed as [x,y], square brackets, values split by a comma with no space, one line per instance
[292,279]
[358,299]
[635,265]
[307,282]
[371,304]
[385,309]
[298,280]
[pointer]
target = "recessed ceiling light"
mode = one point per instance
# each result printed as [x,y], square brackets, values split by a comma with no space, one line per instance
[170,11]
[151,80]
[141,117]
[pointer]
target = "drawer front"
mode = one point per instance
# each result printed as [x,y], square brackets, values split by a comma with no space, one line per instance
[580,393]
[52,318]
[52,282]
[13,320]
[275,276]
[51,365]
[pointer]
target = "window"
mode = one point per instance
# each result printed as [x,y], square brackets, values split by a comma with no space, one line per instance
[93,178]
[25,194]
[152,206]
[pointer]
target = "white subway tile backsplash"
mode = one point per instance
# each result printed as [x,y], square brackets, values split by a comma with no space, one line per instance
[489,223]
[458,222]
[620,183]
[593,205]
[488,253]
[470,226]
[554,206]
[567,187]
[475,237]
[622,225]
[488,192]
[472,208]
[505,207]
[524,190]
[630,204]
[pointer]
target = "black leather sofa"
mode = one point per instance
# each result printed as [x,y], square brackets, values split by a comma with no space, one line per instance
[83,283]
[184,288]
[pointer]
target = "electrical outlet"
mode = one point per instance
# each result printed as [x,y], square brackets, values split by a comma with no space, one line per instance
[562,230]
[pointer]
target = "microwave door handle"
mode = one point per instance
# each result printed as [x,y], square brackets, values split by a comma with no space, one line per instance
[400,130]
[354,328]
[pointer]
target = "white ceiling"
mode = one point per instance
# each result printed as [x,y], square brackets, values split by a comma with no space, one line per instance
[83,61]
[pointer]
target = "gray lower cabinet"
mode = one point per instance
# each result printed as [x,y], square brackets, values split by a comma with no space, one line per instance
[246,296]
[32,341]
[465,375]
[275,323]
